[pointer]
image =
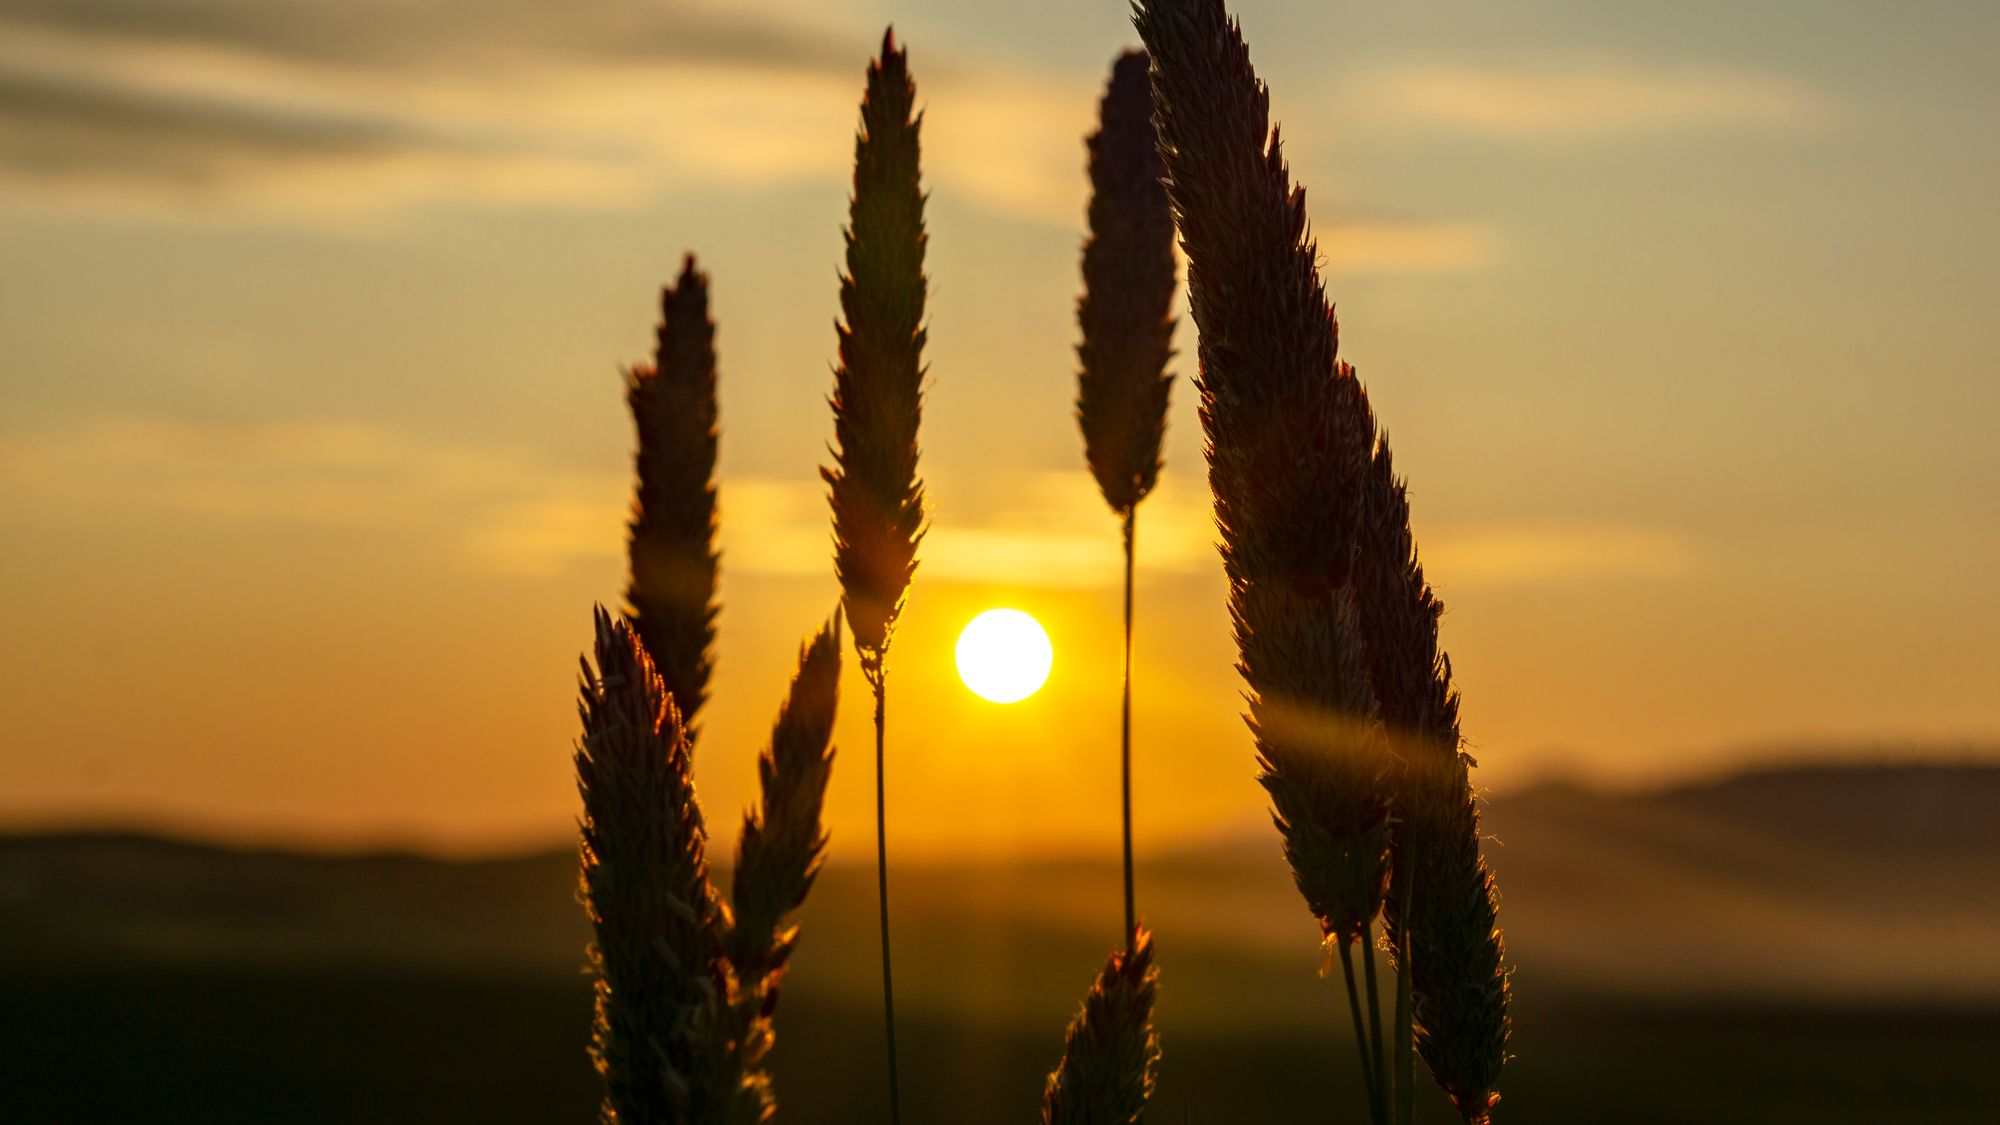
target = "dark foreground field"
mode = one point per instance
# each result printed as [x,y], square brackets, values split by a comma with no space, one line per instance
[1816,946]
[219,1046]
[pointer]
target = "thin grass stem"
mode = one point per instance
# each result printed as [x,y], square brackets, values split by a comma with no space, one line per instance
[1383,1084]
[1405,1035]
[880,682]
[1368,1069]
[1125,732]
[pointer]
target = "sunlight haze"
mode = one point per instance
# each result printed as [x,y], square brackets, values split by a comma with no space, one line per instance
[314,454]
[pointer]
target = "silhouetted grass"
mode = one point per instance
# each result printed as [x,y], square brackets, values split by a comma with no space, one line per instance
[1121,407]
[671,546]
[1351,701]
[1106,1073]
[659,1035]
[876,498]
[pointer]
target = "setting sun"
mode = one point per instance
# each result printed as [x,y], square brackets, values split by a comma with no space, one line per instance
[1004,655]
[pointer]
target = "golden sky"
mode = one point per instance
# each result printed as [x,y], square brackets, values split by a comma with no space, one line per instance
[313,455]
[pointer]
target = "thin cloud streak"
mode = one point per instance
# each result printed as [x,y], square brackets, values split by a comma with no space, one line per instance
[237,113]
[499,511]
[1569,101]
[1353,249]
[446,36]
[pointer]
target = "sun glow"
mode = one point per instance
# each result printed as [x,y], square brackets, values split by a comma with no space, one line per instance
[1004,655]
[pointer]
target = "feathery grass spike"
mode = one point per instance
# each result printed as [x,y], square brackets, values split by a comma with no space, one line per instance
[1289,438]
[784,841]
[1122,384]
[777,859]
[876,498]
[1288,443]
[1443,906]
[672,545]
[660,974]
[1128,292]
[1110,1051]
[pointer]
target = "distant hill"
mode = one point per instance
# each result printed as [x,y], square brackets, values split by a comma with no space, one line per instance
[1872,880]
[1856,880]
[1868,807]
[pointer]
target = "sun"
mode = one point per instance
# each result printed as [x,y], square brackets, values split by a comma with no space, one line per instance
[1004,655]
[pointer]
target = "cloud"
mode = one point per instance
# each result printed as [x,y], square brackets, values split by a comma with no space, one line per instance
[1046,529]
[1051,529]
[496,511]
[1469,556]
[1408,247]
[1586,99]
[315,108]
[56,131]
[506,512]
[445,35]
[317,111]
[293,111]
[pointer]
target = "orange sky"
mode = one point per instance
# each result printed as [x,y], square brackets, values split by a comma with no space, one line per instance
[313,456]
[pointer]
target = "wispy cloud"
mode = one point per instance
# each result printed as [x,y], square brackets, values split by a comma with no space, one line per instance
[321,111]
[1408,247]
[1528,554]
[507,512]
[1046,529]
[495,511]
[447,36]
[1597,97]
[171,127]
[234,115]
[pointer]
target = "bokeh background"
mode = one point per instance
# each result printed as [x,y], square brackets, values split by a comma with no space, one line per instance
[313,458]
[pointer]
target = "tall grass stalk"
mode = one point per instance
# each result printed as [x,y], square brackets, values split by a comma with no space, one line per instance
[1287,448]
[1292,457]
[876,498]
[1127,339]
[671,596]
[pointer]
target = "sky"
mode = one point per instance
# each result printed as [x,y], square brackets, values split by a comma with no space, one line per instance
[313,452]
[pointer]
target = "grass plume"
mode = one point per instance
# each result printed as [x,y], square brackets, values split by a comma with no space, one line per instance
[783,841]
[1127,339]
[873,490]
[1269,364]
[1128,292]
[672,533]
[1443,911]
[1110,1050]
[686,987]
[661,978]
[1338,631]
[876,497]
[1287,448]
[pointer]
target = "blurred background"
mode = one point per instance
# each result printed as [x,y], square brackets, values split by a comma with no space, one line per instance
[313,457]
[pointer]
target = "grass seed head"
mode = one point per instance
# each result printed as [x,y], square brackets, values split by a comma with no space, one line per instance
[1128,292]
[672,545]
[873,488]
[1110,1050]
[1289,434]
[784,841]
[661,979]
